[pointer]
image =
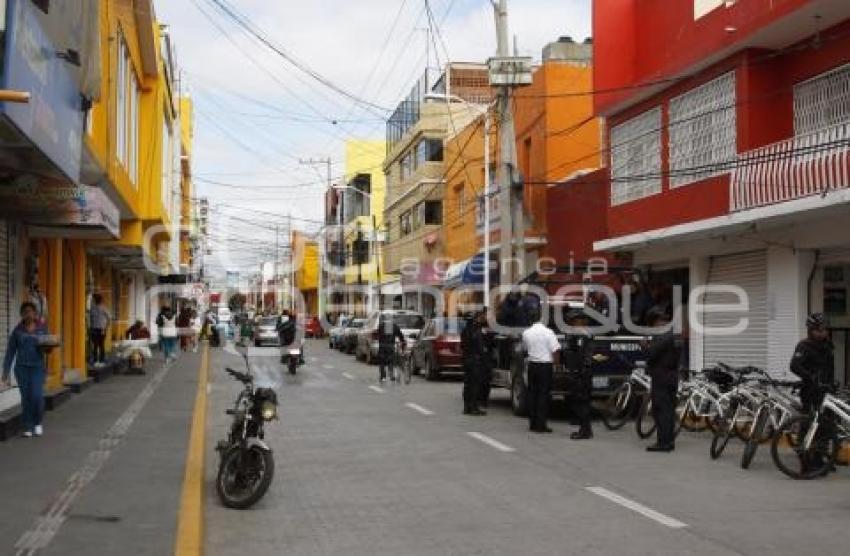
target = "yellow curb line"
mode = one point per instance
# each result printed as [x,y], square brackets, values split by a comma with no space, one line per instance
[190,521]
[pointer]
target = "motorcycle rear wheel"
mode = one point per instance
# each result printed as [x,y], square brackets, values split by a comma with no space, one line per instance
[240,489]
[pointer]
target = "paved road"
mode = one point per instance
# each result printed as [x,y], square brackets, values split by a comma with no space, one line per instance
[397,470]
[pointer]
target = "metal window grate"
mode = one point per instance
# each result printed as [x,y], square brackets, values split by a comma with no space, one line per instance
[822,102]
[703,131]
[636,158]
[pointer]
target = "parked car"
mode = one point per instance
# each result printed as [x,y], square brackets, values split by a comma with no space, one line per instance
[348,344]
[438,347]
[410,323]
[313,327]
[265,332]
[336,332]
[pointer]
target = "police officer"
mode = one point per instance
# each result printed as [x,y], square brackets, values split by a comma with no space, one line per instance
[388,333]
[472,346]
[487,362]
[581,343]
[663,355]
[814,362]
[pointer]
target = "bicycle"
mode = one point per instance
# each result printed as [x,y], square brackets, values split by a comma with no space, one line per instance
[739,413]
[776,409]
[807,446]
[619,405]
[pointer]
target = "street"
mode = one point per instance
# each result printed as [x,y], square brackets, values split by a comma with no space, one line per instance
[363,468]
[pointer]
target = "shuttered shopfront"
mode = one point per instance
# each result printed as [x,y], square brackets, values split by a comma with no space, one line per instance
[747,271]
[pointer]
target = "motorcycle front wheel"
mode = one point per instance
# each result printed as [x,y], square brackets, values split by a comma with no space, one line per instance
[244,476]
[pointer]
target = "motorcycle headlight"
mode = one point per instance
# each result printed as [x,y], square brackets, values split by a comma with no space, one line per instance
[268,410]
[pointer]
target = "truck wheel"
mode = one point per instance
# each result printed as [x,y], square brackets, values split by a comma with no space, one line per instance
[519,397]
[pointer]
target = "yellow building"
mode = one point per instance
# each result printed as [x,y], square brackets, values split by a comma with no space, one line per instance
[306,271]
[363,198]
[137,149]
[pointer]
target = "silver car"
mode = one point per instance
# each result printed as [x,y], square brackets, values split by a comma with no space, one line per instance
[265,332]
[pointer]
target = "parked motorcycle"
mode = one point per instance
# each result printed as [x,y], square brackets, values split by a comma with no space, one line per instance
[246,465]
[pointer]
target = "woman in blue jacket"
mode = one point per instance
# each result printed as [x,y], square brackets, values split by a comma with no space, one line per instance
[26,350]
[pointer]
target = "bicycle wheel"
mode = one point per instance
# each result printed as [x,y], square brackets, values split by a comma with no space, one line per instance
[645,422]
[798,462]
[617,408]
[756,434]
[721,439]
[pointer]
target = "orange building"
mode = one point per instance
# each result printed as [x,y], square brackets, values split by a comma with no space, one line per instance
[557,136]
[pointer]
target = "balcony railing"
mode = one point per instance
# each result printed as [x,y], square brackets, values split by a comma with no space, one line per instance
[798,167]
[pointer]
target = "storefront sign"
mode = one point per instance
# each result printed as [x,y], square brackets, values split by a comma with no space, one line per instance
[71,210]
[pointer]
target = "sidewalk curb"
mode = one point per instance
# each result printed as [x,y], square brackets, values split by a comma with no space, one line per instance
[190,520]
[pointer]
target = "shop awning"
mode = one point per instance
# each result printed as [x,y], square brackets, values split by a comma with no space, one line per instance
[56,209]
[470,271]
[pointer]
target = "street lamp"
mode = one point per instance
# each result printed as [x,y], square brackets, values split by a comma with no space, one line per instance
[483,111]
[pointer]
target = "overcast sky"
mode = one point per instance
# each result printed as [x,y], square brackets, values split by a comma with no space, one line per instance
[256,115]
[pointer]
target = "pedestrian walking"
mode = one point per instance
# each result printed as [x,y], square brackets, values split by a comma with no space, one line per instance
[388,333]
[167,323]
[543,350]
[814,362]
[663,357]
[99,319]
[26,348]
[472,348]
[184,325]
[581,343]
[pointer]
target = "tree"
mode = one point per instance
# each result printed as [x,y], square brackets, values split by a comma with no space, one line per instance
[237,302]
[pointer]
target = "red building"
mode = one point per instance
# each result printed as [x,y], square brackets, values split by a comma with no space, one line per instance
[728,133]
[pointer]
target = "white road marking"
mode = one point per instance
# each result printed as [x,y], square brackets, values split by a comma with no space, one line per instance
[419,408]
[376,389]
[491,442]
[46,525]
[329,367]
[349,376]
[665,520]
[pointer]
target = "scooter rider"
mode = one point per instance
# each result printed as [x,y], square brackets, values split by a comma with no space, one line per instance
[814,362]
[287,330]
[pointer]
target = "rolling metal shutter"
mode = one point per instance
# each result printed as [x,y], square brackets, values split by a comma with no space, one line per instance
[5,287]
[749,272]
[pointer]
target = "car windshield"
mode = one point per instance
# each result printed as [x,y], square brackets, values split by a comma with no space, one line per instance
[356,323]
[409,321]
[269,321]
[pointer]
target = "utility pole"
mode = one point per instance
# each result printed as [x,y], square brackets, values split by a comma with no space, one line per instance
[507,153]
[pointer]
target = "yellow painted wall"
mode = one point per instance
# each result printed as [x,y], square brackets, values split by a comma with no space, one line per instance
[365,156]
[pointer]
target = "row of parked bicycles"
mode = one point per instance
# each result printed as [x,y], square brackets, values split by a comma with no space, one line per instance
[746,404]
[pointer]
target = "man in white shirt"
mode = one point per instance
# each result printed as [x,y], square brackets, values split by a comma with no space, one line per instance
[543,351]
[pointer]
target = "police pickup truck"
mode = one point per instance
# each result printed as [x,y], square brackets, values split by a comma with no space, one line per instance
[614,355]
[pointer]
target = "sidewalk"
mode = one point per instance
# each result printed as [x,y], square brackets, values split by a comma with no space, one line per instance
[107,476]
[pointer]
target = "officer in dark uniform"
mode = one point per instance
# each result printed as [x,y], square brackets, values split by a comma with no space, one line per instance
[581,347]
[814,362]
[472,346]
[663,356]
[487,362]
[388,333]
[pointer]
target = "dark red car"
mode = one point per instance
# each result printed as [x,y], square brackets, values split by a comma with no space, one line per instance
[313,327]
[438,347]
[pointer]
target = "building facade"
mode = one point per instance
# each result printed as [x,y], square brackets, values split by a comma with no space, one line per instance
[97,189]
[415,168]
[728,146]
